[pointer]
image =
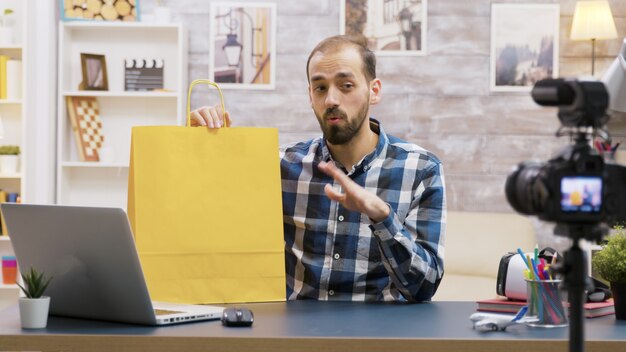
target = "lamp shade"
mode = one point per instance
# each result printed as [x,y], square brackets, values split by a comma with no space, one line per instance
[232,49]
[615,81]
[593,20]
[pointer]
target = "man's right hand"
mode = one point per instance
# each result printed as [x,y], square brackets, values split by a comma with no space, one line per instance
[210,116]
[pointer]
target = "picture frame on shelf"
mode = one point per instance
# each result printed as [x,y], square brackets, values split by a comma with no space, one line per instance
[84,115]
[243,42]
[392,28]
[100,10]
[524,45]
[94,70]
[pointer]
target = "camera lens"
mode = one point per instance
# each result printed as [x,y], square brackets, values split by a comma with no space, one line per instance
[523,188]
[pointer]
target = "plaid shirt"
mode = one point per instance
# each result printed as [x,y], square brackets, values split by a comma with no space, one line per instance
[332,253]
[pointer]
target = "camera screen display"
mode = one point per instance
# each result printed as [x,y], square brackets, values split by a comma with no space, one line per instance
[581,194]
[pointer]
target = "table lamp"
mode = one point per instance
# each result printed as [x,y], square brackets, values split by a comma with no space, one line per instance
[593,20]
[615,80]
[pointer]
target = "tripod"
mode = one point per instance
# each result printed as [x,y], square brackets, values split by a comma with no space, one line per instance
[575,277]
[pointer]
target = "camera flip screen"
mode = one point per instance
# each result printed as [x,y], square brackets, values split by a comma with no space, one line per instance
[581,194]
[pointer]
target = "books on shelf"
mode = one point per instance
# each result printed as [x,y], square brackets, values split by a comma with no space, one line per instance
[504,305]
[10,197]
[10,78]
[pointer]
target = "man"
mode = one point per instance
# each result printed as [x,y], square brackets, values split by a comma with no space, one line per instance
[363,211]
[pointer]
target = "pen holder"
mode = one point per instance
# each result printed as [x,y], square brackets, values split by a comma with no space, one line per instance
[545,303]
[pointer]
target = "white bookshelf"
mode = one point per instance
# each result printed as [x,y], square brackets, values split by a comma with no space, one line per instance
[104,183]
[13,112]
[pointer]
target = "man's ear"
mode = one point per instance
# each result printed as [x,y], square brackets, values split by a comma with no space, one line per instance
[375,91]
[310,96]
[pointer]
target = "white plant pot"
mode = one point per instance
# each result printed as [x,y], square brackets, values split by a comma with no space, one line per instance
[34,312]
[8,164]
[6,36]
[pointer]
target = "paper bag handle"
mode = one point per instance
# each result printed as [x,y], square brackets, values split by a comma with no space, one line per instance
[199,81]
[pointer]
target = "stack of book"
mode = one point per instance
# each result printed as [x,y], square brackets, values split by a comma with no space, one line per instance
[504,305]
[7,197]
[10,78]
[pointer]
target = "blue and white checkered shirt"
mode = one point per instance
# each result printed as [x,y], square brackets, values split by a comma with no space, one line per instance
[335,254]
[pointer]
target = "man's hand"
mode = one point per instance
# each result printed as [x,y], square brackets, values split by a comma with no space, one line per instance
[210,116]
[355,197]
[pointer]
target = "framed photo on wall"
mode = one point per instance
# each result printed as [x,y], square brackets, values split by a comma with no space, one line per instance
[99,10]
[242,45]
[392,27]
[524,45]
[94,70]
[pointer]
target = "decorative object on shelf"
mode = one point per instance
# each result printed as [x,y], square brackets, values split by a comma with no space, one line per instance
[34,307]
[100,10]
[94,69]
[9,155]
[9,270]
[593,20]
[84,113]
[4,59]
[610,263]
[7,27]
[524,45]
[615,80]
[14,79]
[162,14]
[391,27]
[243,43]
[143,74]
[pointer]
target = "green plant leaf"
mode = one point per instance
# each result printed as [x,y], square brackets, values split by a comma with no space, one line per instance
[35,283]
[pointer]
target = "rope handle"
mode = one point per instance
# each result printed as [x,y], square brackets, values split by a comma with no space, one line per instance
[200,81]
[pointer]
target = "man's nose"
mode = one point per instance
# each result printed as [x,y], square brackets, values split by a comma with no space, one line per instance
[332,97]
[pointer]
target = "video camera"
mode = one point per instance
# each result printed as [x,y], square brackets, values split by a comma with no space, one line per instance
[576,186]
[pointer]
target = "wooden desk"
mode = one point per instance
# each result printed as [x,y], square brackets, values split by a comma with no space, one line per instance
[312,326]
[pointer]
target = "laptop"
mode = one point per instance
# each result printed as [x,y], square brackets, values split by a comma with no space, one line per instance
[90,253]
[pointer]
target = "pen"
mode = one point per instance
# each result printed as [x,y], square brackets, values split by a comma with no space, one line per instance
[536,253]
[521,253]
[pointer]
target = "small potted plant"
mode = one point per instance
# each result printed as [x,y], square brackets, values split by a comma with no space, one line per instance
[9,158]
[6,27]
[610,263]
[34,307]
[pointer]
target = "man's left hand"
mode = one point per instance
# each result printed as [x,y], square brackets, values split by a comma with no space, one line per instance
[355,197]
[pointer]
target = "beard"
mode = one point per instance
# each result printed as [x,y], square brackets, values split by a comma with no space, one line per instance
[342,134]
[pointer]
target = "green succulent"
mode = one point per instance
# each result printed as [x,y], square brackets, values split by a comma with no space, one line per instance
[35,283]
[9,150]
[610,262]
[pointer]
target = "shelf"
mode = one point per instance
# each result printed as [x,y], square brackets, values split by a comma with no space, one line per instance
[9,287]
[10,175]
[118,94]
[91,164]
[121,25]
[10,101]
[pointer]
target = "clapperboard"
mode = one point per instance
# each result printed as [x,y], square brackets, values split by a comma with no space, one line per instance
[143,74]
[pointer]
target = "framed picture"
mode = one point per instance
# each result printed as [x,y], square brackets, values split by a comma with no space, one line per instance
[100,10]
[242,45]
[84,114]
[94,72]
[524,45]
[392,27]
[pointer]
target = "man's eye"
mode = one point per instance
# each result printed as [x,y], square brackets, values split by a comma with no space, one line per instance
[348,85]
[320,88]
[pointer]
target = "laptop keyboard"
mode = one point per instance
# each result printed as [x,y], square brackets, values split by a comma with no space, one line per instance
[166,312]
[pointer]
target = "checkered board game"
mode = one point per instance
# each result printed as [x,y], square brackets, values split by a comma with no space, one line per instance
[85,116]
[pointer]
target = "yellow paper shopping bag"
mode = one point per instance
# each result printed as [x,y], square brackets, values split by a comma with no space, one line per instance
[205,207]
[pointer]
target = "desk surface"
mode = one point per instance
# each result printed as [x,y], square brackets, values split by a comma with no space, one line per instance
[312,326]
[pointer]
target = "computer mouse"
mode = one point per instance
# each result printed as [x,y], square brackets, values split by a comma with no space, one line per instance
[237,316]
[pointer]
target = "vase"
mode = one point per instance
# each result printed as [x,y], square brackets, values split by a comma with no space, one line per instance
[8,164]
[34,312]
[619,299]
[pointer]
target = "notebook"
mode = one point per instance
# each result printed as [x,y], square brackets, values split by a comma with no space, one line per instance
[90,253]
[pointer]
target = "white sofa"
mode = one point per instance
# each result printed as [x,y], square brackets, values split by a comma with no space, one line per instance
[474,244]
